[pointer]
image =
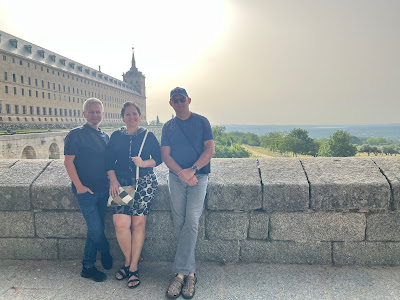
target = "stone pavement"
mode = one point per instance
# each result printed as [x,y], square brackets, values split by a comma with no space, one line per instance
[21,279]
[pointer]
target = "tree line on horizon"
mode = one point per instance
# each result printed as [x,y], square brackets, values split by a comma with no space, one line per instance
[298,142]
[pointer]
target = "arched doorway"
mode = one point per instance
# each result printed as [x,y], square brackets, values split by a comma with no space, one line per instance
[54,151]
[28,153]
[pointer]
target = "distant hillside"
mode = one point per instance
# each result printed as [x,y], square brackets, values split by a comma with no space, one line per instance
[388,131]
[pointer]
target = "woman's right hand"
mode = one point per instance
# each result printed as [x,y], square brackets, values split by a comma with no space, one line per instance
[114,188]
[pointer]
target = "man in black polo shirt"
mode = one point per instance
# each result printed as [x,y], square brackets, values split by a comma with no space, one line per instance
[84,151]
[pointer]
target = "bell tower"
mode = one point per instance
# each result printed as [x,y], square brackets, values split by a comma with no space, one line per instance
[135,78]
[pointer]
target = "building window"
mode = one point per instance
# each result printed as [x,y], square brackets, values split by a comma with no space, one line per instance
[41,54]
[14,43]
[44,111]
[4,57]
[5,76]
[22,79]
[55,111]
[15,90]
[36,82]
[16,109]
[20,62]
[30,93]
[8,109]
[37,94]
[48,95]
[60,112]
[54,86]
[13,60]
[23,92]
[70,112]
[42,84]
[31,110]
[50,111]
[38,110]
[43,95]
[29,80]
[41,69]
[52,57]
[65,112]
[14,78]
[24,109]
[28,48]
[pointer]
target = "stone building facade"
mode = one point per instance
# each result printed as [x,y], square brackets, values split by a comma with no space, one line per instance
[39,87]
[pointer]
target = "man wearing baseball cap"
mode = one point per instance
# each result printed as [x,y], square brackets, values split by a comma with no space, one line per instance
[187,145]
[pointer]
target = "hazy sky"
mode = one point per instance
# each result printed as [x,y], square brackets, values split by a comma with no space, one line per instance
[241,61]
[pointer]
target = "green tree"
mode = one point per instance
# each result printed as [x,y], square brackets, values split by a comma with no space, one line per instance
[366,148]
[272,140]
[338,145]
[298,142]
[225,146]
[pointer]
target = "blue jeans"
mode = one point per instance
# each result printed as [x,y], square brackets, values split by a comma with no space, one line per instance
[186,208]
[94,209]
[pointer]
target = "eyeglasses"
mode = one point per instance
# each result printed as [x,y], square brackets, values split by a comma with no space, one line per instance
[180,99]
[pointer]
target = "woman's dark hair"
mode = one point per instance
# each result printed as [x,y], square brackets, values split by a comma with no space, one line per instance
[129,103]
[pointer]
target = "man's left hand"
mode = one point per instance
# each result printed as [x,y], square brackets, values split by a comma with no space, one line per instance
[186,174]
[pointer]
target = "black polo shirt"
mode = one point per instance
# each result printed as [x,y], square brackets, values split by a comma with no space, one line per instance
[89,156]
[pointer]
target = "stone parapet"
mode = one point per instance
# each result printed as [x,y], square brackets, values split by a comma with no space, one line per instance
[340,211]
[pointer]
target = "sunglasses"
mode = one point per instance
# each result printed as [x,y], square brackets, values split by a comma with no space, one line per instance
[180,99]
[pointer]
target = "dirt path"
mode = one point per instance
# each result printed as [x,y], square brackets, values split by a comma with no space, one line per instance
[252,151]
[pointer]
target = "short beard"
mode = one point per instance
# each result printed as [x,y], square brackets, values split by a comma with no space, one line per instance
[93,124]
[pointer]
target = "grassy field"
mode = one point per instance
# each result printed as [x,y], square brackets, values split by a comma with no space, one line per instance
[258,152]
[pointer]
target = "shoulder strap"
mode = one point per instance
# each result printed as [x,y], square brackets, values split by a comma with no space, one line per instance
[190,142]
[97,140]
[140,152]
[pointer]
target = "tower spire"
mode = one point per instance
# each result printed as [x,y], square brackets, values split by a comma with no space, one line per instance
[133,60]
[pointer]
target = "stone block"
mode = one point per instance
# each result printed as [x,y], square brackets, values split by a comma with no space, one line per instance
[60,224]
[28,248]
[383,227]
[109,228]
[161,201]
[16,181]
[259,223]
[71,248]
[234,184]
[227,225]
[282,252]
[285,185]
[7,163]
[160,249]
[343,183]
[318,226]
[16,224]
[217,250]
[159,225]
[366,253]
[52,189]
[391,169]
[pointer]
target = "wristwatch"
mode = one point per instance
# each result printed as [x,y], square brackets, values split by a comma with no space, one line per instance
[194,167]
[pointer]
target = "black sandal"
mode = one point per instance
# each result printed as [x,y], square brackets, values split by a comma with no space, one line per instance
[136,273]
[124,274]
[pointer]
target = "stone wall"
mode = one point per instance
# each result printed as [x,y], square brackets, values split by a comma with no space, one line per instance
[341,211]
